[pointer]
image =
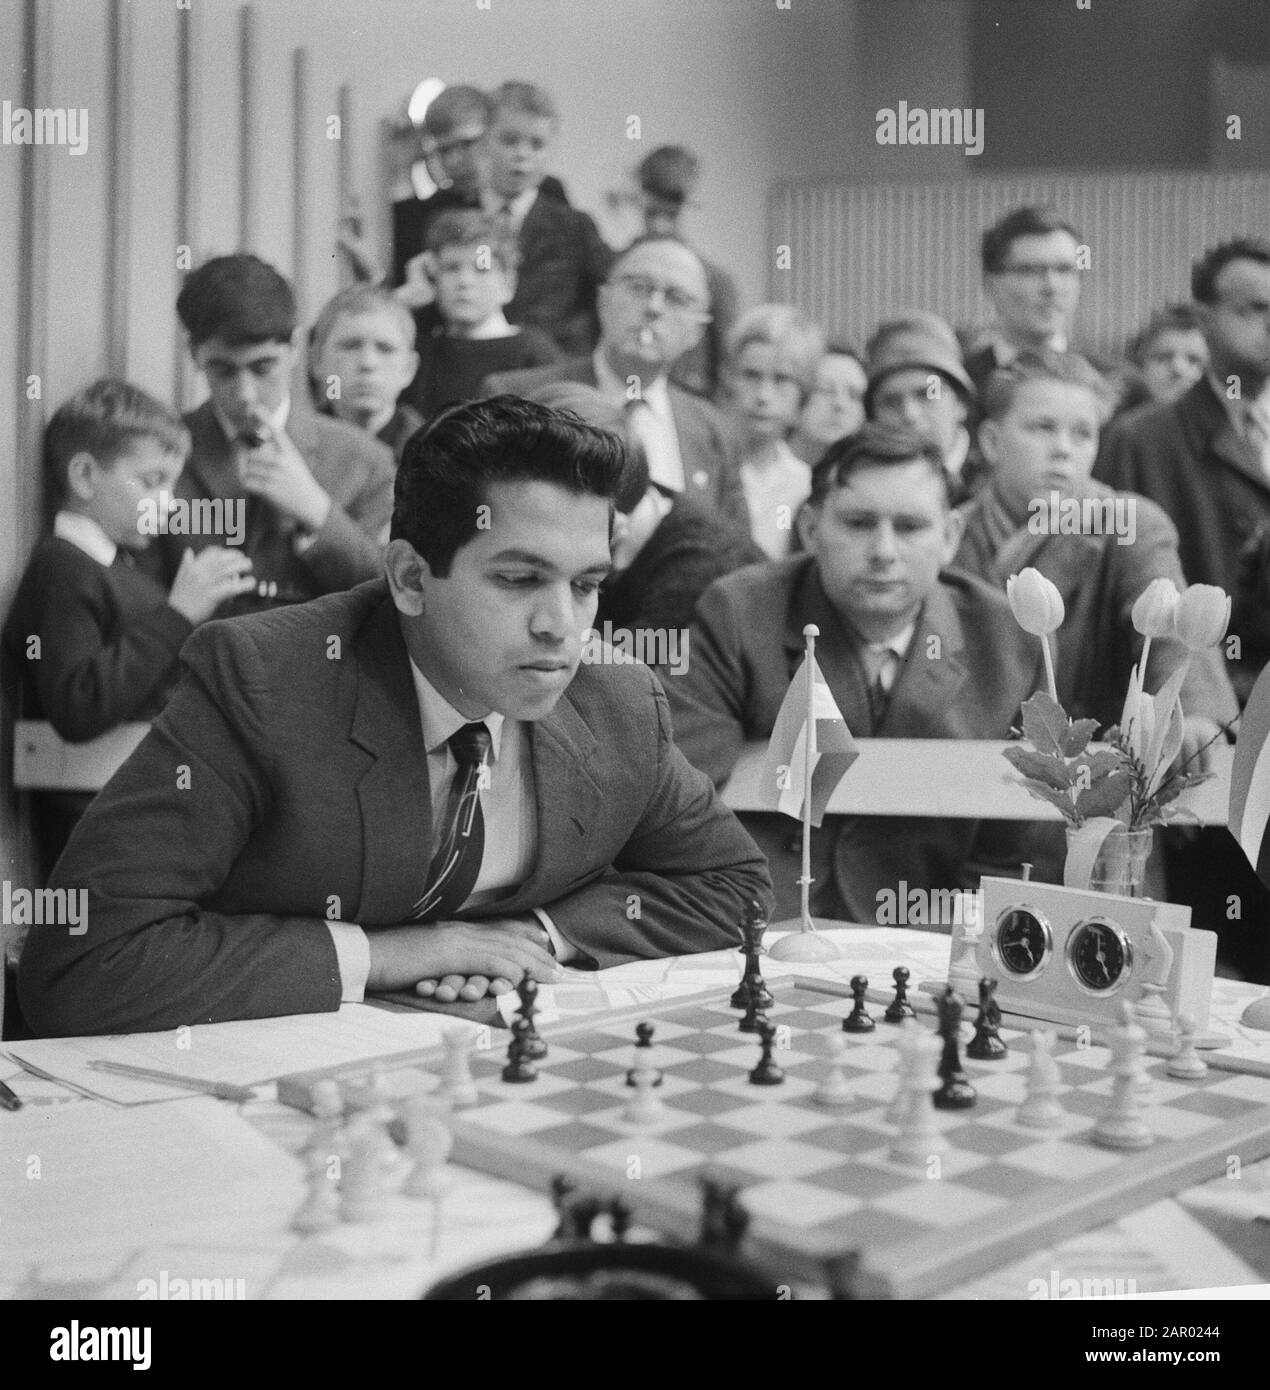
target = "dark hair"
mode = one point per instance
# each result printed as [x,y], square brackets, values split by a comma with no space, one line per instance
[447,468]
[452,106]
[470,227]
[670,172]
[1178,318]
[103,420]
[875,446]
[1210,265]
[1019,222]
[523,96]
[654,239]
[239,299]
[1044,364]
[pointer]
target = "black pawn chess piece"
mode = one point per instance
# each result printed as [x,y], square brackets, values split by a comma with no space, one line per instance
[753,988]
[643,1038]
[767,1073]
[535,1047]
[752,1017]
[858,1020]
[986,1045]
[519,1066]
[562,1190]
[954,1091]
[724,1220]
[899,1008]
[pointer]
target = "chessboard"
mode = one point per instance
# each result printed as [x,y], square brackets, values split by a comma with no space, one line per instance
[819,1183]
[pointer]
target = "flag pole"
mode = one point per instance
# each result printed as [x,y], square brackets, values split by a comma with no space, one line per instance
[804,942]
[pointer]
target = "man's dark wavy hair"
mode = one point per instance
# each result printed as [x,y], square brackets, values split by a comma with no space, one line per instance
[447,468]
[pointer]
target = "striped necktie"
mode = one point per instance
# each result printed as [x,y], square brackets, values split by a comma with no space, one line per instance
[457,863]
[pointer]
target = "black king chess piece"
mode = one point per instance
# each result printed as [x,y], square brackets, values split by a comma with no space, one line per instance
[753,988]
[535,1047]
[954,1091]
[899,1008]
[986,1045]
[859,1019]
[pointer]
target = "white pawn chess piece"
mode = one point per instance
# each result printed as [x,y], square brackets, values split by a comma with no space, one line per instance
[457,1085]
[904,1071]
[1122,1126]
[1186,1063]
[833,1091]
[1040,1108]
[647,1106]
[363,1190]
[428,1141]
[919,1138]
[321,1207]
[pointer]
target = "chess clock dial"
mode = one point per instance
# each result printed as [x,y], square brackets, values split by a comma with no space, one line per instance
[1099,955]
[1022,943]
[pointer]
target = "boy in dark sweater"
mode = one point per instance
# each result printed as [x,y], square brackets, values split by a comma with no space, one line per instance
[91,641]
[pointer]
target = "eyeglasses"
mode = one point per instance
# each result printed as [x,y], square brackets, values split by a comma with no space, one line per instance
[1038,270]
[678,301]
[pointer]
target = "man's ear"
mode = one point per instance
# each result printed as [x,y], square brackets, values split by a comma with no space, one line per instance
[79,476]
[808,521]
[407,573]
[954,526]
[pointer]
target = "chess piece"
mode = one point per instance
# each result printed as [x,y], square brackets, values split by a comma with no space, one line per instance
[457,1085]
[646,1108]
[1186,1063]
[963,966]
[1121,1126]
[535,1049]
[858,1020]
[428,1142]
[1152,1011]
[753,988]
[752,1017]
[643,1056]
[986,1045]
[899,1008]
[898,1107]
[834,1091]
[724,1219]
[954,1091]
[919,1138]
[1040,1108]
[519,1067]
[320,1210]
[767,1073]
[326,1101]
[363,1189]
[562,1190]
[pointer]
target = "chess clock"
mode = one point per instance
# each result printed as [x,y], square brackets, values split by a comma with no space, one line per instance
[1071,956]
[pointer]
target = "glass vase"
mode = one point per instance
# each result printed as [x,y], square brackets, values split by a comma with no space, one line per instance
[1121,865]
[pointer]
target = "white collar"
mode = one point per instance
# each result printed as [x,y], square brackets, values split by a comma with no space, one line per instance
[607,381]
[898,645]
[86,535]
[277,421]
[1005,351]
[517,209]
[955,458]
[439,718]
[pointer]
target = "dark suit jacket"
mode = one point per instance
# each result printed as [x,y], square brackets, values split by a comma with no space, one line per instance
[354,468]
[969,668]
[563,261]
[707,442]
[1188,457]
[308,799]
[1100,580]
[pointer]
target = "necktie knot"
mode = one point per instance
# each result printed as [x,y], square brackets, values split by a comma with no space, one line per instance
[470,745]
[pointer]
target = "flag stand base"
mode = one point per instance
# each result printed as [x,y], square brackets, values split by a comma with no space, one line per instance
[805,941]
[1256,1015]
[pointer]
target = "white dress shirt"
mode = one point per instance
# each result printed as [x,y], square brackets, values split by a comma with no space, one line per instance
[507,805]
[657,430]
[515,209]
[85,534]
[784,482]
[884,660]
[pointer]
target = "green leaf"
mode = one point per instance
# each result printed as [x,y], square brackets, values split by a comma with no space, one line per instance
[1041,766]
[1106,797]
[1079,732]
[1045,723]
[1043,793]
[1101,763]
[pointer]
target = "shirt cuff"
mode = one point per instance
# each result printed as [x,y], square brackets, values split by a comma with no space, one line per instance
[563,950]
[352,953]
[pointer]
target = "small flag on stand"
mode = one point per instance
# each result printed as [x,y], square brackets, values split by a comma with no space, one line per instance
[1249,812]
[833,749]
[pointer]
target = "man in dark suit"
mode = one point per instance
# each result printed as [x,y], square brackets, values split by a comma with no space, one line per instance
[1031,275]
[907,652]
[1205,458]
[414,785]
[652,310]
[306,497]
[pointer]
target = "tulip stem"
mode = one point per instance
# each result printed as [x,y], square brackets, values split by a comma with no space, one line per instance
[1142,661]
[1049,668]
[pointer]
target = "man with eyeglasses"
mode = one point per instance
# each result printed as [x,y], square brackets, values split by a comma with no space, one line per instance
[653,309]
[1031,276]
